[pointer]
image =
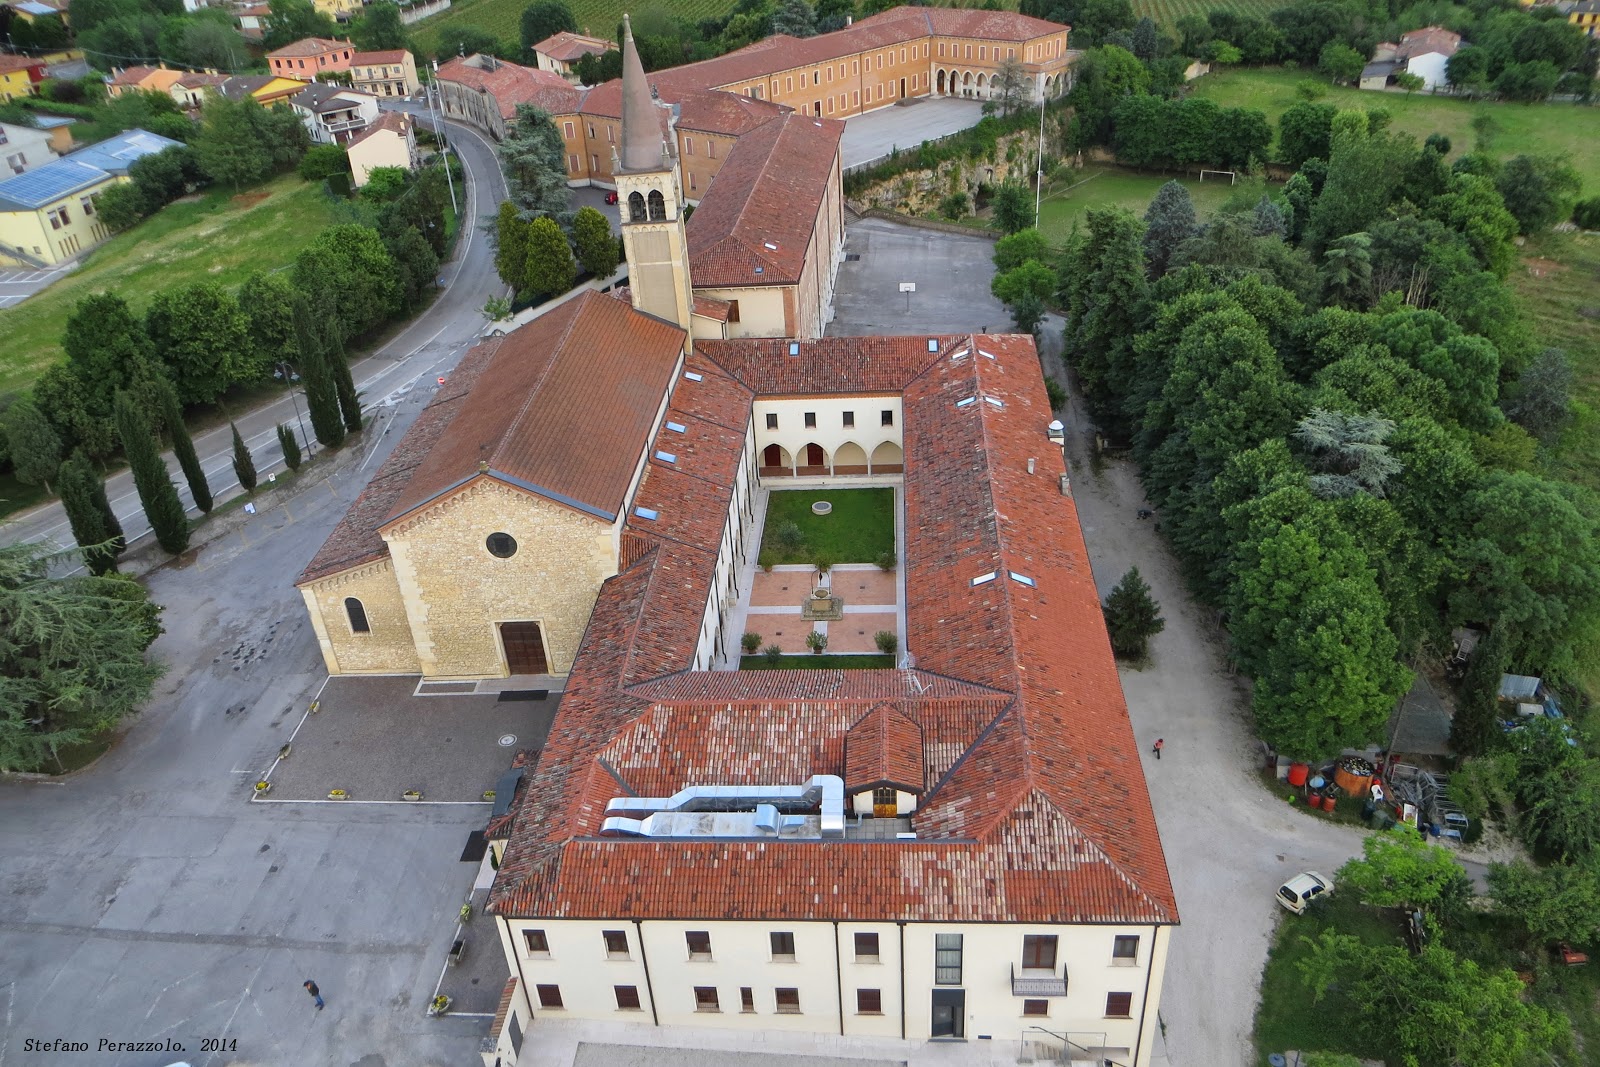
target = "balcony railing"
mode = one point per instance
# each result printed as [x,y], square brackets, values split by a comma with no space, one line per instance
[1037,982]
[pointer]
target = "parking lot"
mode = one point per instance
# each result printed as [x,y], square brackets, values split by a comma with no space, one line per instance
[16,285]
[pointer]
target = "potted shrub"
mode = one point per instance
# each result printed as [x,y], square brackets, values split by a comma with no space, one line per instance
[773,653]
[887,560]
[263,787]
[338,794]
[765,560]
[750,642]
[886,641]
[439,1005]
[823,563]
[816,641]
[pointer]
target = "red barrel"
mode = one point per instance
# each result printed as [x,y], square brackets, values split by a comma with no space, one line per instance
[1328,803]
[1298,773]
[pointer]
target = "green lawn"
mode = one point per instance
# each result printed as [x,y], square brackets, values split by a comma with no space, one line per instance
[215,236]
[1065,202]
[1555,284]
[859,530]
[1287,1017]
[820,662]
[1548,128]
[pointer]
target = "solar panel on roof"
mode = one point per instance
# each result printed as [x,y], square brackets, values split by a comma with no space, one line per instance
[50,182]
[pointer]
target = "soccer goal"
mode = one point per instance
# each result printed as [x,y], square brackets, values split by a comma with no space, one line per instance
[1230,175]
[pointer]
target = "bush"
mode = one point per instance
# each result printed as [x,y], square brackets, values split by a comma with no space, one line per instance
[1057,393]
[324,161]
[886,641]
[954,206]
[823,562]
[773,653]
[1586,213]
[750,642]
[816,641]
[789,537]
[766,559]
[887,560]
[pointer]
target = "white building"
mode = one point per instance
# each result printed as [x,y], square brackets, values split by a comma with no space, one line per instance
[333,115]
[23,148]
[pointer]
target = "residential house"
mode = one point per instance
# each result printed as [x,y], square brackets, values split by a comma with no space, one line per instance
[60,130]
[191,90]
[253,21]
[305,59]
[142,79]
[1585,15]
[559,53]
[332,114]
[389,142]
[23,148]
[265,89]
[390,73]
[19,77]
[28,10]
[1421,52]
[47,215]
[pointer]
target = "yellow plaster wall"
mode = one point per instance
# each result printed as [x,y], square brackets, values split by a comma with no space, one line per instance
[388,648]
[456,592]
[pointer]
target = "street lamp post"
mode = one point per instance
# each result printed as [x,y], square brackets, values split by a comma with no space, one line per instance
[1038,180]
[435,106]
[289,375]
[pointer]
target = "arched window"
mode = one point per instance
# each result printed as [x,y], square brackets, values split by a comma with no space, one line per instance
[358,616]
[635,207]
[658,206]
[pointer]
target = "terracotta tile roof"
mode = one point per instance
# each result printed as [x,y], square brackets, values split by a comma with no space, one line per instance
[307,47]
[575,394]
[709,307]
[392,56]
[393,121]
[884,748]
[566,47]
[132,76]
[756,220]
[1037,811]
[9,64]
[355,540]
[729,114]
[1429,39]
[510,85]
[191,80]
[824,365]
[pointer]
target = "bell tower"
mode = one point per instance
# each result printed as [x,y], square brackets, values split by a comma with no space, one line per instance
[650,198]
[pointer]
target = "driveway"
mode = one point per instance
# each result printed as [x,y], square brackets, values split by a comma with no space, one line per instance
[874,135]
[19,284]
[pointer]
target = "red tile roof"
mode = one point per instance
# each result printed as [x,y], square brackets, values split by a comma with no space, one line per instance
[307,47]
[565,47]
[575,394]
[392,121]
[756,220]
[378,59]
[1429,39]
[1037,810]
[884,748]
[830,365]
[511,85]
[709,307]
[128,75]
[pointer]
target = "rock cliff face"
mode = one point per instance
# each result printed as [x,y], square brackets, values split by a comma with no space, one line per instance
[920,192]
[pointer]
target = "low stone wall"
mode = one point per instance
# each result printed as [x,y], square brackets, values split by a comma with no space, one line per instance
[931,224]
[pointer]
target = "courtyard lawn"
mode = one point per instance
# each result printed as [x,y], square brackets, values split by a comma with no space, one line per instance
[1102,186]
[215,236]
[1287,1017]
[759,662]
[859,530]
[1531,128]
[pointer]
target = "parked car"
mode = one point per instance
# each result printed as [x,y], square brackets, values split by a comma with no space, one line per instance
[611,197]
[1298,892]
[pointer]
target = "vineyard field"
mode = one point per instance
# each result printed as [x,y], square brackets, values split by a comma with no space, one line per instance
[598,18]
[1168,12]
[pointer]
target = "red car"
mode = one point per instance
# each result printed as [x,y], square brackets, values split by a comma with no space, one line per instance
[611,197]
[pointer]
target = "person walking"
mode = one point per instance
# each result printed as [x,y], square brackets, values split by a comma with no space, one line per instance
[316,994]
[1160,744]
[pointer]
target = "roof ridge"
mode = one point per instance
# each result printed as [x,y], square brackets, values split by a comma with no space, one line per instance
[966,753]
[1089,841]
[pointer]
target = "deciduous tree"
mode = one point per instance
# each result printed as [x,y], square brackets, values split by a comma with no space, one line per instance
[1031,279]
[1399,869]
[202,334]
[597,245]
[378,28]
[550,267]
[1539,191]
[32,442]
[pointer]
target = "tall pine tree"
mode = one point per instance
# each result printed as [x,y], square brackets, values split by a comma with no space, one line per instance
[244,468]
[317,379]
[150,476]
[183,447]
[1132,615]
[78,484]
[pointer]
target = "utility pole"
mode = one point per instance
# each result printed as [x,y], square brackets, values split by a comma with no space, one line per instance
[1038,181]
[438,124]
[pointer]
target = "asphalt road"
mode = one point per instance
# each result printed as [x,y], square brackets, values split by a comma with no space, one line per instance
[428,347]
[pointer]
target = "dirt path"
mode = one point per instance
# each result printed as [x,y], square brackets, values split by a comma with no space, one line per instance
[1229,842]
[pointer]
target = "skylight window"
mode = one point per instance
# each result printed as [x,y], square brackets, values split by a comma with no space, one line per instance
[769,245]
[647,513]
[984,579]
[966,401]
[981,352]
[677,427]
[933,344]
[666,457]
[1022,579]
[961,353]
[996,401]
[694,376]
[761,270]
[794,348]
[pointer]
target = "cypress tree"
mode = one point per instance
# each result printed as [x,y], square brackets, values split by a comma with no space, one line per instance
[318,380]
[290,446]
[156,492]
[108,516]
[244,468]
[183,446]
[76,484]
